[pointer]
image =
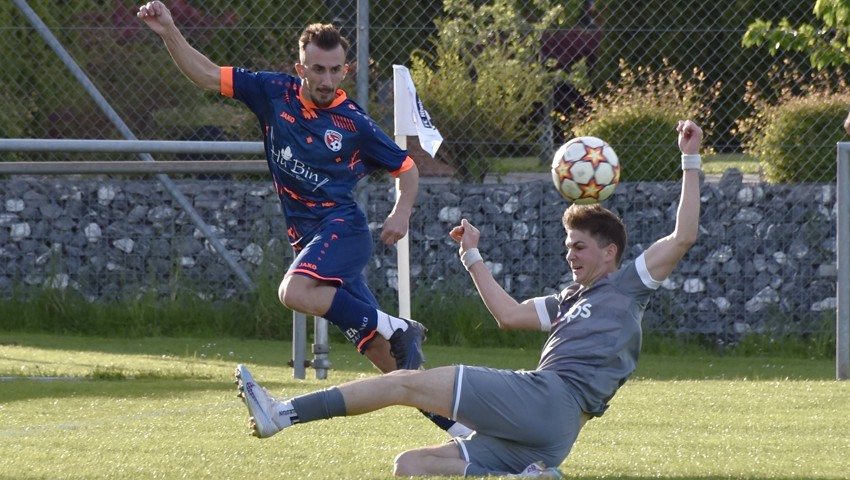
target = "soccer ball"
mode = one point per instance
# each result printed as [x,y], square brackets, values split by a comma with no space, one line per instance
[585,170]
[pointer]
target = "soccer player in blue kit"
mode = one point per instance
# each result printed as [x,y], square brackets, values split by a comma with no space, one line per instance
[525,422]
[319,144]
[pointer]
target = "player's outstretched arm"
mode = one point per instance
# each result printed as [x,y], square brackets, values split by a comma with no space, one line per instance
[663,255]
[509,314]
[194,65]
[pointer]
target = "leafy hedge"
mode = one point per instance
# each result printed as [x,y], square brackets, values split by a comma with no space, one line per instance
[793,132]
[638,118]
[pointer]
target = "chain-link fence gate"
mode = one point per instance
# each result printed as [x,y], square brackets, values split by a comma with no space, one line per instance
[533,76]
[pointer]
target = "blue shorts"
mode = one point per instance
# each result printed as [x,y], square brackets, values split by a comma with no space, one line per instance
[337,254]
[519,417]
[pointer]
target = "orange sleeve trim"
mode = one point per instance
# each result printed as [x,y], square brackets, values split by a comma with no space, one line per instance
[226,81]
[405,166]
[310,273]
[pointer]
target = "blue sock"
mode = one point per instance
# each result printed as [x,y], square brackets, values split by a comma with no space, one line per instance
[347,312]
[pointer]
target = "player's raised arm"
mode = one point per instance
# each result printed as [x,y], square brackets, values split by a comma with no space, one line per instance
[509,314]
[194,65]
[663,255]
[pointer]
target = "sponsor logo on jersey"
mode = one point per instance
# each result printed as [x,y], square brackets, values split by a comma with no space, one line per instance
[290,165]
[578,310]
[333,140]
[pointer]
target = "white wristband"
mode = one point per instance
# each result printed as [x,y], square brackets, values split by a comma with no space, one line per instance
[470,258]
[691,161]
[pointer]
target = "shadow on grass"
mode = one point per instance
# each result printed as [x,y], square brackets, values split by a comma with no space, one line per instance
[25,389]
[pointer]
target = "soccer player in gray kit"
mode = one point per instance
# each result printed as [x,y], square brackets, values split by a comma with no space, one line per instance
[525,422]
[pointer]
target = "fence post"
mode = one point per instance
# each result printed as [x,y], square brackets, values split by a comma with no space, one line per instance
[116,120]
[299,345]
[842,288]
[321,348]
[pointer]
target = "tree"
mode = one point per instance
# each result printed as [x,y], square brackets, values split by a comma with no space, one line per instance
[825,44]
[483,77]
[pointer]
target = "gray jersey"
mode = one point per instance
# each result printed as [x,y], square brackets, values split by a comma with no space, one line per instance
[596,335]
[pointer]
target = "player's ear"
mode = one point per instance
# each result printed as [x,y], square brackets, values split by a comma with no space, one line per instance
[345,69]
[299,69]
[611,251]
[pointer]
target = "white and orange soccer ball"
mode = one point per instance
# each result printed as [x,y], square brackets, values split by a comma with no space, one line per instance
[586,170]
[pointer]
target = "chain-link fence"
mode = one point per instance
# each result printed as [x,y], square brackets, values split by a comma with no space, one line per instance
[532,76]
[561,70]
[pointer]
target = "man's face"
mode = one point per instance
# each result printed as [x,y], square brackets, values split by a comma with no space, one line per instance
[588,260]
[321,72]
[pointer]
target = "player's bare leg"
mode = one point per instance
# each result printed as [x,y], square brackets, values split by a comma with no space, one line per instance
[438,460]
[378,352]
[396,345]
[306,295]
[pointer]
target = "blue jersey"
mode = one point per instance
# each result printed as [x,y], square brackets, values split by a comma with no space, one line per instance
[316,155]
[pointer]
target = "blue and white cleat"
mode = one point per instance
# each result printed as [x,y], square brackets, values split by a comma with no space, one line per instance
[260,404]
[406,346]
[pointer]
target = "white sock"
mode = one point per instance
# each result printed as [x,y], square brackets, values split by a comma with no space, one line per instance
[283,414]
[388,324]
[459,430]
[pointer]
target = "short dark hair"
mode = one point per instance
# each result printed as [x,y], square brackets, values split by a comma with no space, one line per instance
[323,35]
[600,223]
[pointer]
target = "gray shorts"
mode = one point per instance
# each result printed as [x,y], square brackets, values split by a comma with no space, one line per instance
[519,417]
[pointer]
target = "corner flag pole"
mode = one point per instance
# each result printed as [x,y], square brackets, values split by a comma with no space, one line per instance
[403,248]
[409,118]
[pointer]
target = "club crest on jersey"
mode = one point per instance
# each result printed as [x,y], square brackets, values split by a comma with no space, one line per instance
[333,140]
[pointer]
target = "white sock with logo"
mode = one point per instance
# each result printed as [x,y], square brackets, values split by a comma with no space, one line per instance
[283,414]
[388,324]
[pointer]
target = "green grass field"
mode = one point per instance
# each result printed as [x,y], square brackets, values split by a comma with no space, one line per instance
[166,408]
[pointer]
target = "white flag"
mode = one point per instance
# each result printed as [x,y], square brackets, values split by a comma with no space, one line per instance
[411,118]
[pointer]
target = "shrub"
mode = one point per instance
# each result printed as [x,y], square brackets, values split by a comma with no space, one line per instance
[638,118]
[793,132]
[482,81]
[709,35]
[15,117]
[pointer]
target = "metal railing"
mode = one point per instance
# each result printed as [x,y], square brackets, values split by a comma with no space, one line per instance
[320,347]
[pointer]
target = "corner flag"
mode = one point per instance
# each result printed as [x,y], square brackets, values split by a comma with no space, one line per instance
[410,115]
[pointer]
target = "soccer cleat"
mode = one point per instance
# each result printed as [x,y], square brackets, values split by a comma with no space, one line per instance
[406,346]
[538,470]
[260,404]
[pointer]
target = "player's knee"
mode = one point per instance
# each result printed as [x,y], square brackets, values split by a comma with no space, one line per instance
[407,464]
[281,293]
[290,295]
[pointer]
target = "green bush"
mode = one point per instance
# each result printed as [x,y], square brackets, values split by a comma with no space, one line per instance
[707,34]
[793,133]
[15,117]
[483,79]
[638,117]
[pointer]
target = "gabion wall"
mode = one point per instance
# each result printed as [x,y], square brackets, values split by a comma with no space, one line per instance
[765,259]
